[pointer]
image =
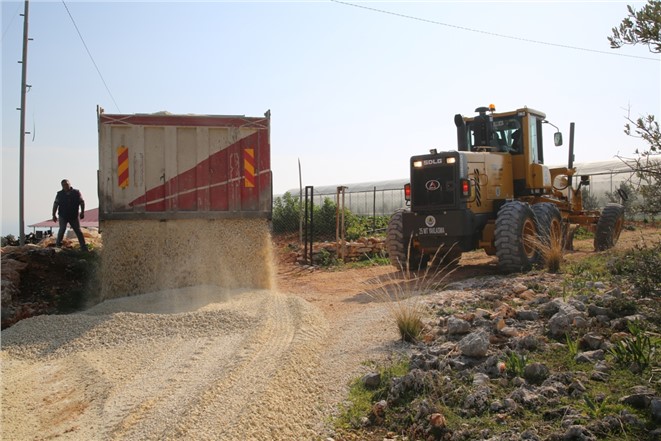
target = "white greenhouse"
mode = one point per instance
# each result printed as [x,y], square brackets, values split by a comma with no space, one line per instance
[384,197]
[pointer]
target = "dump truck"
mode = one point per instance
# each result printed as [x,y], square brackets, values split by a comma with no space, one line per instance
[495,193]
[184,199]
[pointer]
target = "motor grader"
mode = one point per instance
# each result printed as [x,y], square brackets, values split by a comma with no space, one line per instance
[494,193]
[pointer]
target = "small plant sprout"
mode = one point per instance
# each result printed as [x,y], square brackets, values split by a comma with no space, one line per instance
[515,364]
[572,346]
[595,408]
[636,351]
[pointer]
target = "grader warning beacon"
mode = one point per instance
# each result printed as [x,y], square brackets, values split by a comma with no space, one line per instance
[495,193]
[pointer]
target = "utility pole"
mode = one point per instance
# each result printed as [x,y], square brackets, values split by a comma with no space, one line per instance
[21,172]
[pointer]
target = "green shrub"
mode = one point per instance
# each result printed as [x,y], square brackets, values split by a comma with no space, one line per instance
[286,214]
[641,266]
[590,202]
[362,226]
[9,239]
[324,220]
[595,408]
[326,259]
[582,233]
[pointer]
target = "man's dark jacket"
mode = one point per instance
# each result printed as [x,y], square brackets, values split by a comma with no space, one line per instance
[68,203]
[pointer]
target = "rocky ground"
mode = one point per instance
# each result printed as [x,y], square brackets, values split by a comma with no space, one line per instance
[41,279]
[539,356]
[502,358]
[515,360]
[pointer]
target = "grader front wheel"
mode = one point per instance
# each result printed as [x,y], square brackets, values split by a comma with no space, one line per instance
[609,227]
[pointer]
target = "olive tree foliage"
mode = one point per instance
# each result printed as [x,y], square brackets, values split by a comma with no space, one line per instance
[643,27]
[647,163]
[590,201]
[626,196]
[640,27]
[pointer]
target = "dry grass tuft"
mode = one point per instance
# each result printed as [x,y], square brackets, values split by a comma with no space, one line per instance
[409,322]
[551,250]
[401,291]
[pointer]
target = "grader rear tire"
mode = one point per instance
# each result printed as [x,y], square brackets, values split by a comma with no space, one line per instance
[401,256]
[609,227]
[516,231]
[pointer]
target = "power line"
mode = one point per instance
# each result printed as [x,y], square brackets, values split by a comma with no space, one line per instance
[493,34]
[11,22]
[91,57]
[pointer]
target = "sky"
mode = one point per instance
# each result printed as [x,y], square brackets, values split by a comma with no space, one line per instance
[354,89]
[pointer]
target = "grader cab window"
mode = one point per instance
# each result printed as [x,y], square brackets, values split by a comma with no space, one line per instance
[504,135]
[537,148]
[509,135]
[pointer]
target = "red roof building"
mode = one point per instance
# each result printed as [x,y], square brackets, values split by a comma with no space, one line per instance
[91,221]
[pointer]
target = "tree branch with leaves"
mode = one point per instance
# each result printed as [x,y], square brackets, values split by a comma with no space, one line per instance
[639,27]
[643,27]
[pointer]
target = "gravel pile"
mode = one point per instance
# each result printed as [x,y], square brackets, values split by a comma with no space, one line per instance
[137,368]
[187,363]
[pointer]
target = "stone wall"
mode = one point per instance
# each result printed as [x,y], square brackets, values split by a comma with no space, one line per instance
[353,251]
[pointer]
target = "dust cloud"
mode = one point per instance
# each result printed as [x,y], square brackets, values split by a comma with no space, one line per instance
[141,256]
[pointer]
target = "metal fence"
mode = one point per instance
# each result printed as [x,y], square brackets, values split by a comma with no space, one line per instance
[364,199]
[375,202]
[316,214]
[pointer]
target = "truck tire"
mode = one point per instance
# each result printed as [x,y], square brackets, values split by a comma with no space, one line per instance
[401,257]
[609,227]
[549,222]
[516,230]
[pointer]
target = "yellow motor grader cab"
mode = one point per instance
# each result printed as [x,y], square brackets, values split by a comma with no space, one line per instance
[494,192]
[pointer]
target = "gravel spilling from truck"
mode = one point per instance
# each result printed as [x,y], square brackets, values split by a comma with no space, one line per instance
[141,256]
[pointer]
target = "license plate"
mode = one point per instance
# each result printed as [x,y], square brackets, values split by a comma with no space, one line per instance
[424,231]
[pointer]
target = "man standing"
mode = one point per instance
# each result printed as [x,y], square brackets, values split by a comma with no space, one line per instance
[69,200]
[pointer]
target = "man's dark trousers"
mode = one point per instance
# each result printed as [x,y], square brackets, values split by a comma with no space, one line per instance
[75,226]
